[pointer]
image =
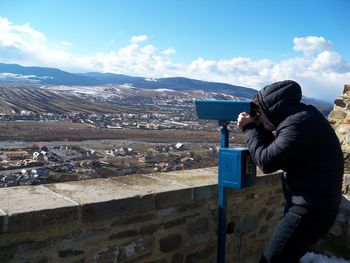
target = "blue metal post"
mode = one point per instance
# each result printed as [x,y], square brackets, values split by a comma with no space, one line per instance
[224,134]
[222,203]
[229,176]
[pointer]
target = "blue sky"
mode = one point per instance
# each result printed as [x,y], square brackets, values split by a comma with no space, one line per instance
[248,43]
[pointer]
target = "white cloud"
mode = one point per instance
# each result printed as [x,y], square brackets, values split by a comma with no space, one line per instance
[169,51]
[19,36]
[321,71]
[330,61]
[24,45]
[311,44]
[66,44]
[138,39]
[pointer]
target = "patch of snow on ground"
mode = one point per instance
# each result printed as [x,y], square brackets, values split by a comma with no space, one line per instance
[318,258]
[162,90]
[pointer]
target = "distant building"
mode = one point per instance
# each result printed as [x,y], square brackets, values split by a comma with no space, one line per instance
[35,155]
[179,146]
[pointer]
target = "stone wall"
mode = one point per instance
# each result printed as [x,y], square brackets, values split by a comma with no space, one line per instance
[170,218]
[338,240]
[340,119]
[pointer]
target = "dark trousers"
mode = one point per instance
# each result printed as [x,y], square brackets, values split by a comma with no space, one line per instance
[295,233]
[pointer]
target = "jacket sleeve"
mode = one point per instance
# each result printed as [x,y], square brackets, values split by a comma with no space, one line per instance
[272,154]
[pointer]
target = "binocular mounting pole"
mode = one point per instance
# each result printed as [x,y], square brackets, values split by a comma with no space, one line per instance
[224,141]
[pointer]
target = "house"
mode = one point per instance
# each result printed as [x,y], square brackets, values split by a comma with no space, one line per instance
[162,166]
[148,158]
[91,153]
[35,155]
[40,172]
[125,151]
[179,146]
[141,126]
[110,152]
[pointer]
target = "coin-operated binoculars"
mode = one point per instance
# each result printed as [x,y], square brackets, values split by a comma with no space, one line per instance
[236,167]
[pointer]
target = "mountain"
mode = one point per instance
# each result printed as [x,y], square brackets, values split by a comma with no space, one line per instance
[323,106]
[16,74]
[175,83]
[40,75]
[12,73]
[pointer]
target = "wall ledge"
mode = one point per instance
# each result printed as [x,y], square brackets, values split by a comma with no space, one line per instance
[26,208]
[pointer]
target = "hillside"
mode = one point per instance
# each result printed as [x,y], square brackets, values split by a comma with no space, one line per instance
[12,73]
[17,77]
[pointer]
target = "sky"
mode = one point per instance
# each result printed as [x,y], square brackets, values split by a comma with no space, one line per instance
[250,43]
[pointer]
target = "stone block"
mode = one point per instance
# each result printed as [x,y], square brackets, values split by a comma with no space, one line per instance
[150,229]
[205,192]
[250,223]
[3,221]
[177,258]
[107,255]
[166,212]
[190,178]
[202,239]
[269,215]
[126,252]
[105,198]
[344,121]
[263,229]
[262,212]
[251,196]
[203,254]
[126,220]
[337,114]
[8,253]
[146,183]
[95,190]
[274,199]
[69,253]
[343,129]
[123,234]
[173,198]
[199,226]
[163,260]
[347,179]
[25,221]
[25,251]
[346,88]
[340,103]
[176,222]
[268,180]
[31,207]
[117,208]
[170,243]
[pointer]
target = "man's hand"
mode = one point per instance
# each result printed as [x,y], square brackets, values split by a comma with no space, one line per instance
[243,119]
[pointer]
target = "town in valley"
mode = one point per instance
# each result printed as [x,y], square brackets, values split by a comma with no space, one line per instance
[64,133]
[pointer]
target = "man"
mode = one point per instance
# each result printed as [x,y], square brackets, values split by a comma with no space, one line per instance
[306,148]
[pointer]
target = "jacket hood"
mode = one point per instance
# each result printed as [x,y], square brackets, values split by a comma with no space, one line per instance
[279,99]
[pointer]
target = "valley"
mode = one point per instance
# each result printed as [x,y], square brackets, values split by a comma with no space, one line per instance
[62,133]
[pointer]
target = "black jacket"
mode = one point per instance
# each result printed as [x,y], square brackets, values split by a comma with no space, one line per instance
[304,146]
